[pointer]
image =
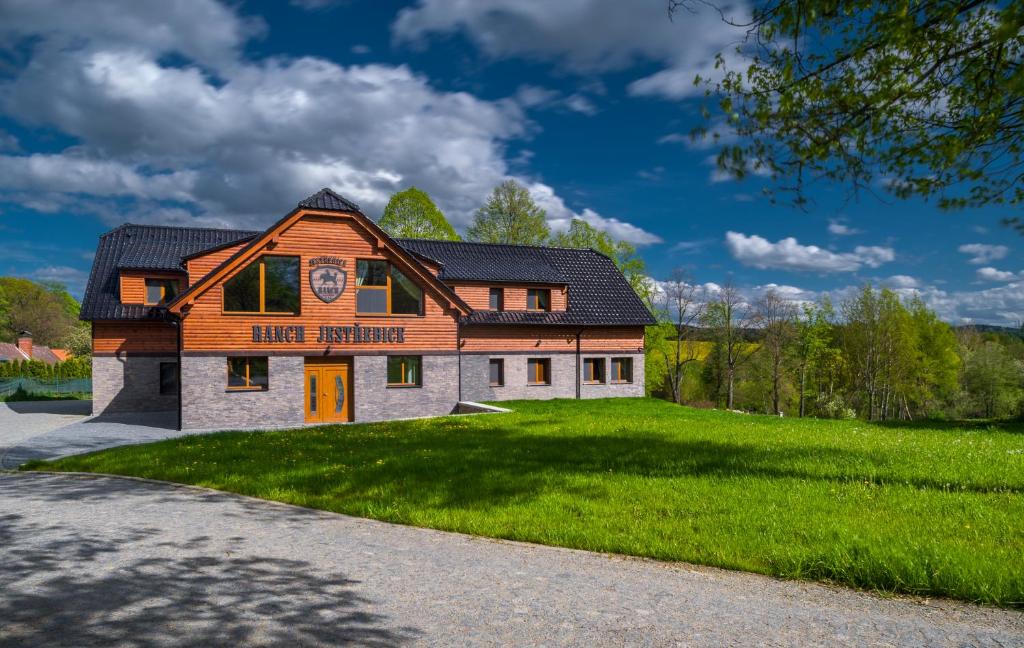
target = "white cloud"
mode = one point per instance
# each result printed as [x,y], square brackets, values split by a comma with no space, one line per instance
[991,274]
[690,247]
[586,36]
[789,254]
[901,281]
[360,49]
[839,228]
[719,134]
[531,96]
[983,253]
[218,139]
[560,217]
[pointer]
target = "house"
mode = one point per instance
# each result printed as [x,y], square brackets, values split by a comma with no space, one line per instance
[24,349]
[323,317]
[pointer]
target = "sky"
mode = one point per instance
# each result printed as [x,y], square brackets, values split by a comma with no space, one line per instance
[206,113]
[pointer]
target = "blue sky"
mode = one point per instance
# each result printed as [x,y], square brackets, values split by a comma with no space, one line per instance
[206,113]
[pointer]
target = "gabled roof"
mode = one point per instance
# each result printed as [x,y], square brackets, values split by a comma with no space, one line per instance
[329,200]
[10,352]
[147,247]
[326,201]
[598,293]
[462,261]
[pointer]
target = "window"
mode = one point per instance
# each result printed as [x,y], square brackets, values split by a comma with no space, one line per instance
[160,291]
[247,373]
[404,371]
[497,299]
[168,378]
[497,373]
[382,289]
[268,285]
[593,370]
[538,299]
[622,370]
[538,371]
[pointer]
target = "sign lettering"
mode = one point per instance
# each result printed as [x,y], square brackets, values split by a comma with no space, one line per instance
[355,334]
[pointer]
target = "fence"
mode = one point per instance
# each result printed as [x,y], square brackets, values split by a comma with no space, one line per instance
[35,386]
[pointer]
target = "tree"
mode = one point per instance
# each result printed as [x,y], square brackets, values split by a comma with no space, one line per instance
[510,216]
[412,214]
[992,379]
[682,306]
[41,310]
[583,235]
[935,376]
[925,95]
[777,318]
[729,317]
[813,335]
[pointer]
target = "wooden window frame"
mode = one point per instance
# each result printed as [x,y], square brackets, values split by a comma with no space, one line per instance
[539,291]
[248,387]
[618,380]
[404,385]
[163,289]
[500,292]
[501,372]
[534,381]
[593,362]
[387,287]
[263,289]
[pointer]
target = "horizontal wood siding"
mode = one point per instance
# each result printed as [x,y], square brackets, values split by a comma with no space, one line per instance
[133,337]
[478,295]
[133,284]
[526,338]
[200,266]
[207,328]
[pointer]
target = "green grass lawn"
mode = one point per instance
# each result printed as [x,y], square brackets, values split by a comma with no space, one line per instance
[930,509]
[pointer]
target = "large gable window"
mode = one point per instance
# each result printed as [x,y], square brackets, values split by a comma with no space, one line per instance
[382,289]
[268,285]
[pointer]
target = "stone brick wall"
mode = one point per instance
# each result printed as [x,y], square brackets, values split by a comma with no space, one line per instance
[609,389]
[476,378]
[207,404]
[375,401]
[129,383]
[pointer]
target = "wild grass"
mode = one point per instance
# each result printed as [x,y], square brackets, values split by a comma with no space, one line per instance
[934,509]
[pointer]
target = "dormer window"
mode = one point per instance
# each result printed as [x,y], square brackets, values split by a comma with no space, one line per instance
[538,299]
[160,291]
[497,299]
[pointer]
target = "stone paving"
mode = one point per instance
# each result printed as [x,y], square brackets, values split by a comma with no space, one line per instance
[51,429]
[100,561]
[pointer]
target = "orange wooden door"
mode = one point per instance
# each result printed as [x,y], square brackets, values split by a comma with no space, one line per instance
[336,403]
[328,394]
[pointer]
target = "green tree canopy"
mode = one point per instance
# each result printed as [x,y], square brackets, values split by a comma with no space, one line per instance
[925,96]
[43,310]
[510,216]
[412,214]
[583,235]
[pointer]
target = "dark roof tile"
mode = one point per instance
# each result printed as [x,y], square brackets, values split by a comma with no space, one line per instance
[598,293]
[329,200]
[144,247]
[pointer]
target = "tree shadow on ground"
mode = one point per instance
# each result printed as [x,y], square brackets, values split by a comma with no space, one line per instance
[64,586]
[445,464]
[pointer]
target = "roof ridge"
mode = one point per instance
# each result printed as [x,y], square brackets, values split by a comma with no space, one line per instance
[181,227]
[511,245]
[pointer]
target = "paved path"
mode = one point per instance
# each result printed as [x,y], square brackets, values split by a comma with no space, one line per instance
[51,429]
[98,561]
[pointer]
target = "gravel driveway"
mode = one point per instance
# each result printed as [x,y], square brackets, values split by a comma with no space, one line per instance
[51,429]
[107,561]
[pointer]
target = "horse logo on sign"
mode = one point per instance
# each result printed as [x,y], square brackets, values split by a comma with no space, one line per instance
[327,282]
